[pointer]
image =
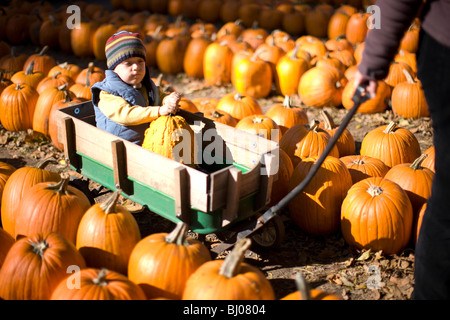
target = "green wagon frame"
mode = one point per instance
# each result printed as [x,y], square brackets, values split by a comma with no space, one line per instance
[220,199]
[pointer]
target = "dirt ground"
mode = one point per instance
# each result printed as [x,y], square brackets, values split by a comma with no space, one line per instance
[327,263]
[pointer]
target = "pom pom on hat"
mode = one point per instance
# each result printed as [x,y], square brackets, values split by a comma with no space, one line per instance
[121,46]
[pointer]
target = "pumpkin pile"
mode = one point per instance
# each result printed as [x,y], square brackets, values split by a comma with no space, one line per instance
[375,198]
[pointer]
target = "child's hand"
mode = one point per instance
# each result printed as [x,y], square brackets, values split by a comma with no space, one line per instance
[170,104]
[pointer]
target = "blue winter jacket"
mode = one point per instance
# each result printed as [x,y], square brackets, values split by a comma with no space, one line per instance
[114,85]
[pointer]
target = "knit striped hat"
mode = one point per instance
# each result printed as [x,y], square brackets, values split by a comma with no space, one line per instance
[121,46]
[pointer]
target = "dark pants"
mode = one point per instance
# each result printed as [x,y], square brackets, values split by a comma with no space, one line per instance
[432,254]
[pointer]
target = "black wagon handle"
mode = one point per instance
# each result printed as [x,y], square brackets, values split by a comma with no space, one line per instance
[359,97]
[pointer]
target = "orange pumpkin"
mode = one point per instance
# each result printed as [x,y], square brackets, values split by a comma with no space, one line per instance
[317,208]
[377,214]
[286,115]
[415,179]
[345,143]
[362,167]
[220,116]
[193,57]
[322,87]
[51,207]
[377,104]
[6,242]
[391,144]
[36,257]
[17,106]
[17,186]
[99,284]
[289,70]
[357,28]
[238,105]
[44,105]
[69,69]
[217,64]
[107,234]
[30,76]
[42,61]
[301,142]
[408,98]
[260,125]
[6,170]
[428,162]
[229,279]
[161,263]
[280,185]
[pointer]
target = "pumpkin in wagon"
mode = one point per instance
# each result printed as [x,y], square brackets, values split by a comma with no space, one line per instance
[168,135]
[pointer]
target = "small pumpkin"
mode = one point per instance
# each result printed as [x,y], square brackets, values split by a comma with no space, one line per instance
[302,141]
[345,143]
[377,214]
[238,105]
[28,76]
[260,125]
[415,179]
[220,116]
[289,70]
[161,263]
[286,114]
[362,167]
[229,279]
[43,62]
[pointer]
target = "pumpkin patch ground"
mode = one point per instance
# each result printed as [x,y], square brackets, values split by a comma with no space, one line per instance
[327,262]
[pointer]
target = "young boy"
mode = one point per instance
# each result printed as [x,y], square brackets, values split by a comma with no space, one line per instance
[127,99]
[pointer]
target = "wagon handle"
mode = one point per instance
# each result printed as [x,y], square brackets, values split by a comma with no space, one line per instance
[358,98]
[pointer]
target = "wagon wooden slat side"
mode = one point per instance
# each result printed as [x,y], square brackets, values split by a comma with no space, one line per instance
[236,184]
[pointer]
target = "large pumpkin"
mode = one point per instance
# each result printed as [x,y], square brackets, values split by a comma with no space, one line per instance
[217,64]
[51,207]
[36,264]
[107,234]
[161,263]
[168,135]
[377,214]
[17,186]
[289,70]
[229,279]
[391,144]
[316,209]
[99,284]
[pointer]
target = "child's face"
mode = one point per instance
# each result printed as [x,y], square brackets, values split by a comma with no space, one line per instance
[131,70]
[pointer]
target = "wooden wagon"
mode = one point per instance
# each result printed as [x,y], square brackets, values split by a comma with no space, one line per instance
[218,197]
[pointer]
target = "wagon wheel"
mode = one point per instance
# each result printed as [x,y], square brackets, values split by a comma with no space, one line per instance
[271,235]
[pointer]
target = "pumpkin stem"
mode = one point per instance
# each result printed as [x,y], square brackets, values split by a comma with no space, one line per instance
[43,51]
[287,101]
[217,114]
[100,280]
[314,125]
[30,68]
[178,235]
[238,96]
[329,123]
[39,247]
[232,263]
[408,76]
[417,164]
[109,205]
[375,191]
[43,163]
[302,287]
[60,186]
[390,128]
